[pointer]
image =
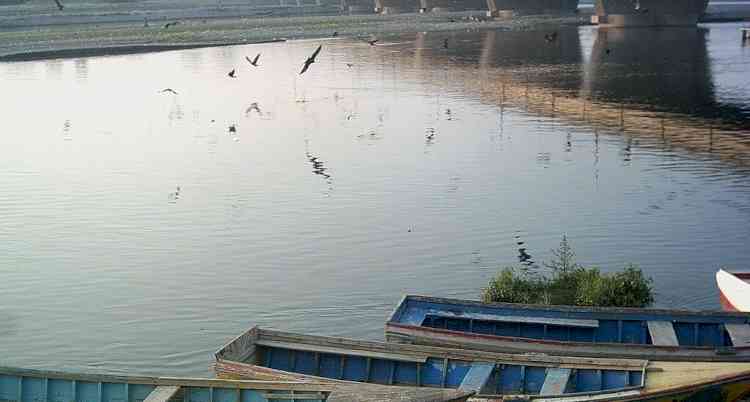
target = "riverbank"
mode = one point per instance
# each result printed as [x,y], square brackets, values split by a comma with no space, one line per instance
[91,31]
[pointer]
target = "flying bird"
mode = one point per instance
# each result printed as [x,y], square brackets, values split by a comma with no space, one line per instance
[168,90]
[59,5]
[445,43]
[232,128]
[607,51]
[372,42]
[310,60]
[231,74]
[171,24]
[254,61]
[335,34]
[550,37]
[254,106]
[350,65]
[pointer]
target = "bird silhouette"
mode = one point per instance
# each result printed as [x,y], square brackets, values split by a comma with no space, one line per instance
[550,37]
[335,34]
[232,128]
[231,74]
[445,43]
[254,61]
[607,51]
[253,106]
[60,6]
[350,65]
[372,42]
[310,60]
[168,90]
[171,24]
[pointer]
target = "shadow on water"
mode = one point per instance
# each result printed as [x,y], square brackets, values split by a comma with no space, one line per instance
[660,69]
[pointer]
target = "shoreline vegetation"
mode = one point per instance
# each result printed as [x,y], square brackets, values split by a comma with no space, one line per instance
[566,282]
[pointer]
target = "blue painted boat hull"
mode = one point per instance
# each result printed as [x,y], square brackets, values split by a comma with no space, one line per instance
[671,335]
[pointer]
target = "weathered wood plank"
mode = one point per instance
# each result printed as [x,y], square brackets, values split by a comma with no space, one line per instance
[295,396]
[555,381]
[477,376]
[378,393]
[162,393]
[571,322]
[739,333]
[341,351]
[662,333]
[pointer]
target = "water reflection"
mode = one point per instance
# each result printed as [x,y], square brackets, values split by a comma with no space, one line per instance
[449,163]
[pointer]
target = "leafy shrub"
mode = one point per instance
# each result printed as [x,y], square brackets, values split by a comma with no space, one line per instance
[571,284]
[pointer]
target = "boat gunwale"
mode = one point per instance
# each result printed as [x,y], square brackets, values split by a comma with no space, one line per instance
[564,308]
[175,381]
[595,345]
[537,360]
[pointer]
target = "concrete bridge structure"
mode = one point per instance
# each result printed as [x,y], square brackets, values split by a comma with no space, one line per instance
[621,13]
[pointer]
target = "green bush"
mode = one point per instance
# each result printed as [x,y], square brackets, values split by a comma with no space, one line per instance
[571,284]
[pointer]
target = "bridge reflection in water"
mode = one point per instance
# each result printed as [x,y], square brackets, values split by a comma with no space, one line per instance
[652,86]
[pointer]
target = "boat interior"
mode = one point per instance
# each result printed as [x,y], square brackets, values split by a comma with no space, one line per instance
[393,364]
[657,327]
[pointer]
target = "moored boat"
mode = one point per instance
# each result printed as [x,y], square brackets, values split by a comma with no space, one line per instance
[275,355]
[734,290]
[23,385]
[670,335]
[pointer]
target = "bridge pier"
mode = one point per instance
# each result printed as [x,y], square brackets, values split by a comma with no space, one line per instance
[624,13]
[396,6]
[507,8]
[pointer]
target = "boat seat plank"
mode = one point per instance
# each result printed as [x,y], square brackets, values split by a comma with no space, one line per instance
[342,351]
[162,393]
[556,381]
[662,333]
[477,376]
[295,397]
[568,322]
[739,333]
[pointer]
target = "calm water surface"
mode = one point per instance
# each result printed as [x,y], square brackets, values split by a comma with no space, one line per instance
[138,231]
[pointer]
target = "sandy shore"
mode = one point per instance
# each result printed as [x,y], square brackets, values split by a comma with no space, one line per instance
[34,31]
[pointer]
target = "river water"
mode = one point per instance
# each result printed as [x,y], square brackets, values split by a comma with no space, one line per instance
[141,230]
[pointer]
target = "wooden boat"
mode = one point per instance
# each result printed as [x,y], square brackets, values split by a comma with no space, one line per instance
[734,290]
[274,355]
[673,335]
[22,385]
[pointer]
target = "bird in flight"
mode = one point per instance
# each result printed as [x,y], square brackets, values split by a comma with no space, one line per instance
[254,61]
[168,90]
[233,129]
[550,37]
[335,34]
[254,107]
[310,60]
[171,24]
[350,65]
[372,42]
[231,74]
[59,5]
[445,43]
